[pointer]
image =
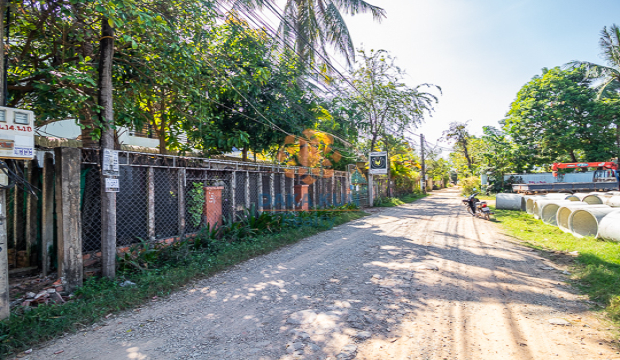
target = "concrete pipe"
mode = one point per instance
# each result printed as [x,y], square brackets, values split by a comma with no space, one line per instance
[585,222]
[613,201]
[538,203]
[557,195]
[581,195]
[529,203]
[609,226]
[592,199]
[546,210]
[565,210]
[524,202]
[508,201]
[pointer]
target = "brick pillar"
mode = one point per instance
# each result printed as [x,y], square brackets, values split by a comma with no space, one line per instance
[301,198]
[213,205]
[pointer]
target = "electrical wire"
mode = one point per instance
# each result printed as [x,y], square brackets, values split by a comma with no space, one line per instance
[16,177]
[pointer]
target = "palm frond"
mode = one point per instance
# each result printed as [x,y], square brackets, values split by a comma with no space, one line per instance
[610,44]
[353,7]
[337,32]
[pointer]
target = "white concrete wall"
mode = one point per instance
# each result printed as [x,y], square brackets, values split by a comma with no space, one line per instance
[68,129]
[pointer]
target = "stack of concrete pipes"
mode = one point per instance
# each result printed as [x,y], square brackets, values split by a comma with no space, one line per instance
[581,214]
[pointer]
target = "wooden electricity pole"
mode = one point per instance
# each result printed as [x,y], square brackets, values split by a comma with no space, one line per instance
[423,164]
[108,199]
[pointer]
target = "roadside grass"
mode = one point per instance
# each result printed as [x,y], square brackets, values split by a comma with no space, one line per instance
[100,297]
[596,270]
[395,201]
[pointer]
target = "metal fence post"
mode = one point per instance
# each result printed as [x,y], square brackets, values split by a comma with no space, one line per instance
[181,192]
[69,217]
[151,202]
[47,212]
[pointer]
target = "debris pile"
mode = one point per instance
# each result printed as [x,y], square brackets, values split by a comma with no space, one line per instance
[50,293]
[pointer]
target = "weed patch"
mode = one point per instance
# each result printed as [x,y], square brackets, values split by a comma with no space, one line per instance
[596,270]
[395,201]
[158,272]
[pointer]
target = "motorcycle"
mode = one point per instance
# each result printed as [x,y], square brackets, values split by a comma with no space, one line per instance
[477,208]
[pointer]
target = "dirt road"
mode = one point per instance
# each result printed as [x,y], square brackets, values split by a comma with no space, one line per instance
[421,281]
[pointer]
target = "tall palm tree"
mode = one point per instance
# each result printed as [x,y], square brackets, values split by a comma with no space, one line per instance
[311,25]
[609,74]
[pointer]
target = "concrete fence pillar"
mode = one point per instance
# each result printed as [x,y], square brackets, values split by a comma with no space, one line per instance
[69,217]
[181,199]
[259,186]
[5,309]
[150,187]
[233,195]
[47,213]
[247,190]
[271,191]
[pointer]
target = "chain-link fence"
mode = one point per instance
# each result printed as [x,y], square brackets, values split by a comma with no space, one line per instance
[91,208]
[380,186]
[164,197]
[166,202]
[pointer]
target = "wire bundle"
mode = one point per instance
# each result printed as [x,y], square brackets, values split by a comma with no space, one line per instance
[16,177]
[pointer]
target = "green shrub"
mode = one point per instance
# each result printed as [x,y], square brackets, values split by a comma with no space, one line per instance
[469,184]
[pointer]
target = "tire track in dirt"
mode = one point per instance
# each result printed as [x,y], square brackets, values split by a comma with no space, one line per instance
[365,290]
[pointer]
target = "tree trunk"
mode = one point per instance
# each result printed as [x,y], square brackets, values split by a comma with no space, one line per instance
[244,154]
[572,156]
[161,134]
[106,116]
[466,153]
[88,125]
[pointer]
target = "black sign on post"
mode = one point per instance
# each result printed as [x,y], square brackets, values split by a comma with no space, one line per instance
[378,163]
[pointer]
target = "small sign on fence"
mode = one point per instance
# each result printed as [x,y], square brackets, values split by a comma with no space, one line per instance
[111,185]
[110,163]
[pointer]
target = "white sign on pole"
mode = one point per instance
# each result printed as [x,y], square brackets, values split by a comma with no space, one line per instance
[111,185]
[110,163]
[378,163]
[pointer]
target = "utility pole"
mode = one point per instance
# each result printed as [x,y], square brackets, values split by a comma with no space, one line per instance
[423,164]
[108,199]
[5,309]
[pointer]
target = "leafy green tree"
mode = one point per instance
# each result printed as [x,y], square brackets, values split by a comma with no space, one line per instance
[556,117]
[463,140]
[54,56]
[386,105]
[254,89]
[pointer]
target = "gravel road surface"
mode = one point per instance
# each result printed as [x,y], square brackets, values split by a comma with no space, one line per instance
[420,281]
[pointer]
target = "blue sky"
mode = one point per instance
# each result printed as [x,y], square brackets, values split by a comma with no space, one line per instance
[482,51]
